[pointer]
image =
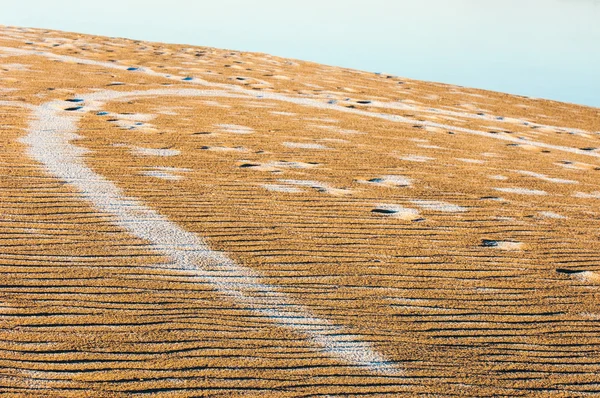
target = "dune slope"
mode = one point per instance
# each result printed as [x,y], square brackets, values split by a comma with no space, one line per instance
[189,221]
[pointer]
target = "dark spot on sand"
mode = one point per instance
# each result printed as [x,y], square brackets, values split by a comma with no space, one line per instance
[489,243]
[384,211]
[568,271]
[74,108]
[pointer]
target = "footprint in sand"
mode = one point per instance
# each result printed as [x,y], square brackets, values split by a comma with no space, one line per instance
[582,275]
[132,121]
[319,186]
[73,108]
[493,198]
[276,165]
[502,244]
[224,148]
[397,211]
[389,181]
[567,164]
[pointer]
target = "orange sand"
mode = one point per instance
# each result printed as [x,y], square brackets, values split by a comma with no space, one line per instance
[454,279]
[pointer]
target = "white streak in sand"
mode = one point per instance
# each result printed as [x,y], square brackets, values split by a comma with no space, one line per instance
[51,132]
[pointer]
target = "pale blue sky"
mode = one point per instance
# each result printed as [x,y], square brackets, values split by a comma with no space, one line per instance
[541,48]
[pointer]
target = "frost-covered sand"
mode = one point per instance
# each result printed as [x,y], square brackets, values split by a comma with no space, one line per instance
[185,221]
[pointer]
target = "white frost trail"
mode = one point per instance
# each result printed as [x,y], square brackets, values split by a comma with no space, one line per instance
[301,101]
[51,132]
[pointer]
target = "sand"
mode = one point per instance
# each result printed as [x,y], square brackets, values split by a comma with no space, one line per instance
[189,221]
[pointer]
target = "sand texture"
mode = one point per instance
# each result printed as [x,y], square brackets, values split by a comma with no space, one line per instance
[181,221]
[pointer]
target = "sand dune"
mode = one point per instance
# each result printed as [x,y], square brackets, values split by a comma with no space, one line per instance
[189,221]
